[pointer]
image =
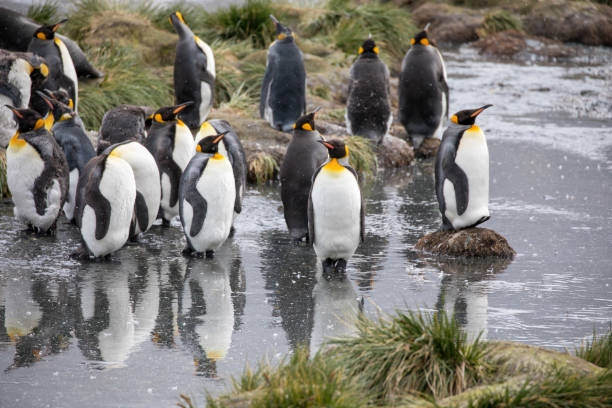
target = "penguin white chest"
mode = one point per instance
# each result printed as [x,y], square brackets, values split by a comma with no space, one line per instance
[71,197]
[473,158]
[19,77]
[68,68]
[336,202]
[206,91]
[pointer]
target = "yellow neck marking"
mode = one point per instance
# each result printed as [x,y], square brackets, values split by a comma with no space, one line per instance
[474,128]
[49,121]
[16,143]
[218,156]
[180,123]
[40,123]
[57,41]
[333,165]
[282,36]
[207,129]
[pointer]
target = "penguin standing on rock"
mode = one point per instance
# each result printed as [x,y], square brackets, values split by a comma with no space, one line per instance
[336,214]
[36,172]
[53,50]
[206,196]
[283,90]
[462,173]
[171,143]
[304,155]
[105,198]
[368,109]
[76,145]
[423,91]
[194,73]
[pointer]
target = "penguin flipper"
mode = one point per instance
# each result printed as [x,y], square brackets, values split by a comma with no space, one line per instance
[11,92]
[102,209]
[311,218]
[200,207]
[174,172]
[141,211]
[362,210]
[457,176]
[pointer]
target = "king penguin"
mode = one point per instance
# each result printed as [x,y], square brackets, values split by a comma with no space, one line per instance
[105,198]
[283,90]
[336,214]
[304,155]
[206,196]
[148,188]
[423,91]
[76,145]
[194,73]
[62,72]
[230,147]
[36,172]
[368,108]
[171,143]
[462,173]
[122,123]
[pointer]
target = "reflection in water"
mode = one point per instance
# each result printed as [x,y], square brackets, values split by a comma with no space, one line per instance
[289,273]
[464,291]
[336,305]
[171,275]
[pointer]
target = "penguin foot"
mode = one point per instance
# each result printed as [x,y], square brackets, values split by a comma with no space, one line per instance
[134,239]
[232,232]
[341,266]
[187,251]
[328,268]
[165,222]
[81,254]
[210,254]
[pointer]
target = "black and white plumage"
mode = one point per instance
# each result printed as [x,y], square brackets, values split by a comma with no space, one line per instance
[194,73]
[120,124]
[171,143]
[304,155]
[423,91]
[283,90]
[462,173]
[62,74]
[368,108]
[336,214]
[206,196]
[37,173]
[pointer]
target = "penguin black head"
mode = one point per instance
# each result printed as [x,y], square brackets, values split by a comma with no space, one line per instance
[467,117]
[282,31]
[61,96]
[48,32]
[59,110]
[368,47]
[40,72]
[422,38]
[210,144]
[336,147]
[169,113]
[306,122]
[27,119]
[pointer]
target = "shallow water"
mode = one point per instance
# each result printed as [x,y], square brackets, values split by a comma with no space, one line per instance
[150,324]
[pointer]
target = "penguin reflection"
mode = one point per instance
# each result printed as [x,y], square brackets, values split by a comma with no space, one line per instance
[336,306]
[172,275]
[206,315]
[464,292]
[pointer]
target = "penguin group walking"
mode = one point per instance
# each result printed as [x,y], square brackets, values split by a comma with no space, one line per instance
[172,161]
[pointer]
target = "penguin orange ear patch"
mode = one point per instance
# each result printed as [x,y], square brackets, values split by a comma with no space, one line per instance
[412,42]
[424,41]
[39,123]
[361,50]
[282,36]
[376,50]
[41,36]
[454,119]
[198,148]
[306,126]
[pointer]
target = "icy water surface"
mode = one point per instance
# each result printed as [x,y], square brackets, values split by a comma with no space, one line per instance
[150,324]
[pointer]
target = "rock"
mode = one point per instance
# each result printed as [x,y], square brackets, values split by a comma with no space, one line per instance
[470,242]
[512,43]
[4,191]
[449,23]
[428,148]
[394,152]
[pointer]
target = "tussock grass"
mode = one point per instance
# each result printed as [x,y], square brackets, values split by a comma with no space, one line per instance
[250,21]
[263,167]
[412,353]
[44,12]
[500,21]
[298,382]
[559,389]
[362,156]
[4,190]
[597,351]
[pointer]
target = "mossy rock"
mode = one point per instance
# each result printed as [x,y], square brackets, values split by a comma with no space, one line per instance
[449,23]
[515,44]
[470,242]
[394,152]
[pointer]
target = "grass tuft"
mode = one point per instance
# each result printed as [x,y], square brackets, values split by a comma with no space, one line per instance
[262,167]
[250,21]
[44,12]
[412,353]
[362,156]
[597,351]
[500,21]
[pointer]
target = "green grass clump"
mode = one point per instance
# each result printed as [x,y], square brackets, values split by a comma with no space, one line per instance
[412,353]
[126,81]
[262,167]
[501,21]
[250,21]
[597,351]
[44,12]
[299,382]
[559,390]
[362,156]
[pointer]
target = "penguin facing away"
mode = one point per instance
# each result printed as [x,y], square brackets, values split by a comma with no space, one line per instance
[206,196]
[148,188]
[336,214]
[122,123]
[304,155]
[283,90]
[62,74]
[423,91]
[37,173]
[230,147]
[194,73]
[368,108]
[462,173]
[105,198]
[171,143]
[76,145]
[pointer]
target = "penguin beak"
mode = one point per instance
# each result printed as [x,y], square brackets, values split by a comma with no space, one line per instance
[324,143]
[46,99]
[274,19]
[15,111]
[426,26]
[55,27]
[182,106]
[314,112]
[220,137]
[479,110]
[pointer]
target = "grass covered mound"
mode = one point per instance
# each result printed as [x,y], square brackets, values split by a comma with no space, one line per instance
[416,360]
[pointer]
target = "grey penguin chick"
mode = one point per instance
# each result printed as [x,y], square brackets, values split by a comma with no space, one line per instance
[283,90]
[120,124]
[304,155]
[423,91]
[368,108]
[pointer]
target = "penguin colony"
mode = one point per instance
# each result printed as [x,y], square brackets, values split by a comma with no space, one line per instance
[159,164]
